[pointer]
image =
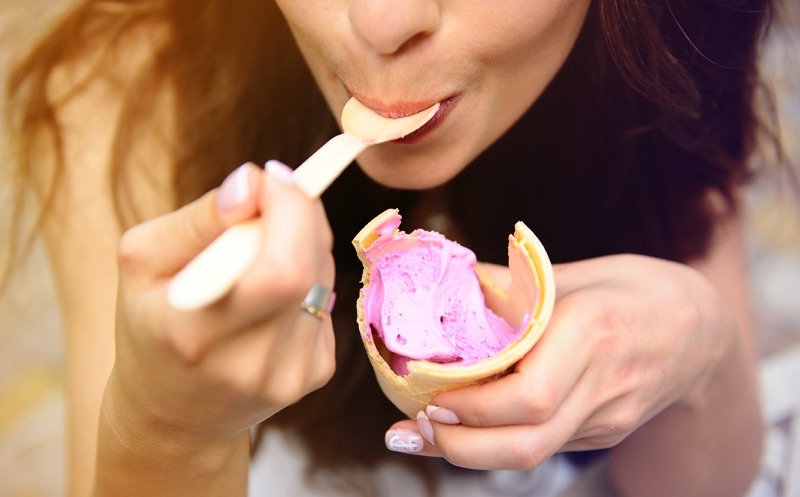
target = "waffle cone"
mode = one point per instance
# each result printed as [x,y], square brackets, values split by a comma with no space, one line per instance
[531,293]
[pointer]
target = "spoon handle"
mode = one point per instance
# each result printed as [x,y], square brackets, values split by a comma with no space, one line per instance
[212,273]
[316,174]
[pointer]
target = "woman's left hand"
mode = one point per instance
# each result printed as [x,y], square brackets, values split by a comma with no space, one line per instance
[629,337]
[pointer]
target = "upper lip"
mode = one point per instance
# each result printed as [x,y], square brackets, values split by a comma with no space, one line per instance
[396,109]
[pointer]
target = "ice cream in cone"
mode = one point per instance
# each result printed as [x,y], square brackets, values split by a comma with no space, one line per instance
[431,319]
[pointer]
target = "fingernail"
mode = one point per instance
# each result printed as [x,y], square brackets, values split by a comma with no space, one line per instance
[235,189]
[281,172]
[404,441]
[425,427]
[442,415]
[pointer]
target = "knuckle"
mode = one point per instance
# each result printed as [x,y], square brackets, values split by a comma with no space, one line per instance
[608,441]
[326,367]
[604,324]
[594,442]
[327,237]
[605,319]
[540,401]
[626,422]
[690,315]
[329,240]
[287,395]
[623,422]
[189,350]
[247,383]
[129,248]
[187,342]
[525,455]
[287,385]
[247,376]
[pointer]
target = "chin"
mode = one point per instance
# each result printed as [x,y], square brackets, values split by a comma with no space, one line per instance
[410,177]
[409,171]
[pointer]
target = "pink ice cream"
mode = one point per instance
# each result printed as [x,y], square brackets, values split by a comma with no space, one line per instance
[425,302]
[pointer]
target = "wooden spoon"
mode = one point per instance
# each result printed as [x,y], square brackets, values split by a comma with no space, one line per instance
[211,275]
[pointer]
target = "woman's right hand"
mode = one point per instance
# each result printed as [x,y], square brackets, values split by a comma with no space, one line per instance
[211,374]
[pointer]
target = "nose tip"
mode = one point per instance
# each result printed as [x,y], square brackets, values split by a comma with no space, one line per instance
[389,25]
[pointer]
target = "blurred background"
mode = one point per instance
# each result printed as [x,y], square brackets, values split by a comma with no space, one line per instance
[31,401]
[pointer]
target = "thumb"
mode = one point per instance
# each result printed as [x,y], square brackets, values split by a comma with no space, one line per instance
[164,245]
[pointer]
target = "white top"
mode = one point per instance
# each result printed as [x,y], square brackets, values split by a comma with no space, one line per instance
[278,469]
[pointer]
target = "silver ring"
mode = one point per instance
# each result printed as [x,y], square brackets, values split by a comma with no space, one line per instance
[319,301]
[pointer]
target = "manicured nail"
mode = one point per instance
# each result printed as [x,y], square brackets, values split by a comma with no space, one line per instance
[442,415]
[404,441]
[281,172]
[235,189]
[425,427]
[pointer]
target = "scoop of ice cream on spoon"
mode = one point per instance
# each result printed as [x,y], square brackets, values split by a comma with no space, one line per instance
[211,275]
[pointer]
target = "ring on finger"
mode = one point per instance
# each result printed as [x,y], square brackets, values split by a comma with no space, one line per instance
[319,301]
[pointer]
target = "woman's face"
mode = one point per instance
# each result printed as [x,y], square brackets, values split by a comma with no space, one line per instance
[485,61]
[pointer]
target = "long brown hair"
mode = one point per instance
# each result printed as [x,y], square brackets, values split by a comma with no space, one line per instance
[653,109]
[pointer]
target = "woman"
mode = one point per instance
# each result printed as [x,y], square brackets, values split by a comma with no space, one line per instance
[620,132]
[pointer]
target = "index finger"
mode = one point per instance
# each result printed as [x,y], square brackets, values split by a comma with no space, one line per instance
[294,251]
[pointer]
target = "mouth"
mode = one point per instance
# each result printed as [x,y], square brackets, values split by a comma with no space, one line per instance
[393,110]
[403,109]
[429,126]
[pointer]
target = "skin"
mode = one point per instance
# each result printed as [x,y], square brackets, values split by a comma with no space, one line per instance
[495,58]
[653,358]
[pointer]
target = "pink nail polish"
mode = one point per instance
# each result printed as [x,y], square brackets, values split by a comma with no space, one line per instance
[425,427]
[235,189]
[442,415]
[280,171]
[404,441]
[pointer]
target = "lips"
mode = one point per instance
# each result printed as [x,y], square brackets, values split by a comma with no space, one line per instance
[395,110]
[400,109]
[428,127]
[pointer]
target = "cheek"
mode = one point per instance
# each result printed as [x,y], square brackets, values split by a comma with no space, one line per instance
[514,32]
[521,62]
[310,24]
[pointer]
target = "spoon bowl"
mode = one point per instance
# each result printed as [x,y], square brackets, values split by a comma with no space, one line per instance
[361,121]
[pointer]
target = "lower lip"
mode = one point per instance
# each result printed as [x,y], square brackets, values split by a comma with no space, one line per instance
[428,127]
